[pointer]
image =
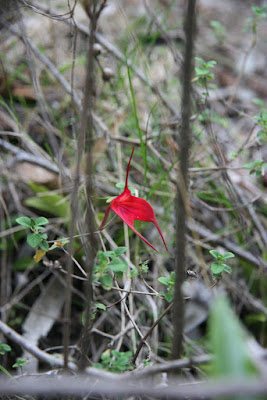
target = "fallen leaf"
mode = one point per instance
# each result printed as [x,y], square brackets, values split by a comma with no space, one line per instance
[39,255]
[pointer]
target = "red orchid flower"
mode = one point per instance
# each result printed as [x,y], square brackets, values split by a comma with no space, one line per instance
[131,208]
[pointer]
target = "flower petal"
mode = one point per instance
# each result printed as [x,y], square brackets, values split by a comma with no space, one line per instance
[135,209]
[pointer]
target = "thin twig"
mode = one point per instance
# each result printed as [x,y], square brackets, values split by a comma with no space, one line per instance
[149,332]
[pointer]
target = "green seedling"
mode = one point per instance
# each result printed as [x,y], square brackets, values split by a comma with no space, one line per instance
[203,72]
[219,266]
[37,237]
[169,282]
[20,362]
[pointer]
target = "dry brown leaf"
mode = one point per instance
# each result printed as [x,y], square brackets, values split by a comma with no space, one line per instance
[40,253]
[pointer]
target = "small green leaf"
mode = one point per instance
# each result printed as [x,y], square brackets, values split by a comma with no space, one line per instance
[106,281]
[228,255]
[118,265]
[108,254]
[34,239]
[20,363]
[41,221]
[164,280]
[200,60]
[169,297]
[4,347]
[100,306]
[133,273]
[217,268]
[24,221]
[120,250]
[216,254]
[44,245]
[226,268]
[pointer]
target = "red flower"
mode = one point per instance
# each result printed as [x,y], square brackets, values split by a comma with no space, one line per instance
[131,208]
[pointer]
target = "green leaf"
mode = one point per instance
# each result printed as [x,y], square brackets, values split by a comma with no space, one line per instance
[217,268]
[24,221]
[20,363]
[228,343]
[41,221]
[216,254]
[120,250]
[106,281]
[118,265]
[164,280]
[133,273]
[100,306]
[4,347]
[49,202]
[102,257]
[44,245]
[226,268]
[200,60]
[33,239]
[228,255]
[108,254]
[169,297]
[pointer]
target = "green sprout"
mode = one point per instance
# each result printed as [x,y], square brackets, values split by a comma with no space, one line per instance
[169,282]
[219,266]
[203,72]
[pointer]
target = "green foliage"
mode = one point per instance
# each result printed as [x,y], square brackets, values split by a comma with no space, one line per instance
[143,267]
[49,202]
[228,343]
[37,238]
[256,167]
[252,23]
[219,266]
[4,348]
[203,72]
[261,119]
[219,31]
[109,261]
[20,362]
[115,361]
[169,282]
